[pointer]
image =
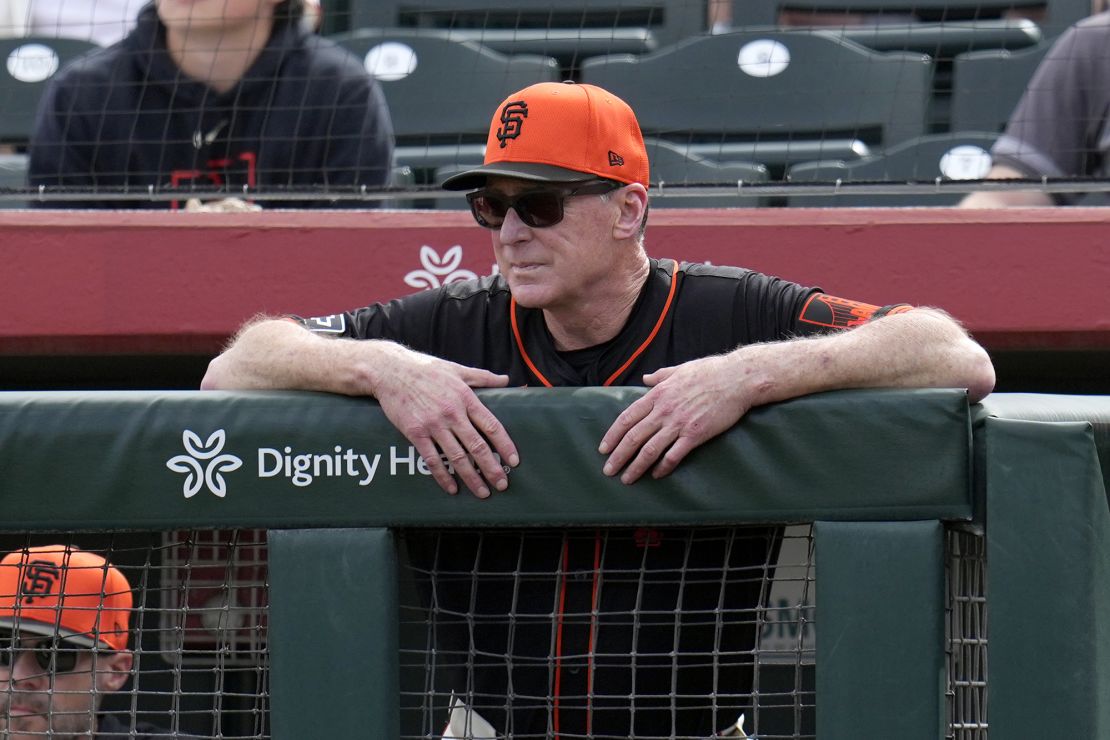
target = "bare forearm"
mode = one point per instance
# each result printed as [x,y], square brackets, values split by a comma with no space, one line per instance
[1006,198]
[428,399]
[923,348]
[277,354]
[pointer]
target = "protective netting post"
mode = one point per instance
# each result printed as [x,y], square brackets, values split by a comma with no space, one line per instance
[333,632]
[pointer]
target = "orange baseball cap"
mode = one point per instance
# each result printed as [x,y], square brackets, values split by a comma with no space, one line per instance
[65,591]
[561,132]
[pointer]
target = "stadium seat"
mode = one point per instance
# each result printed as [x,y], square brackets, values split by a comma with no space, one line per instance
[568,30]
[13,174]
[441,92]
[401,178]
[674,169]
[26,65]
[986,86]
[448,201]
[928,159]
[1053,16]
[774,97]
[945,40]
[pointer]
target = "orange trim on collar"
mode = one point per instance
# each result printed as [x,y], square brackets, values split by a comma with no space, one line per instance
[624,366]
[655,329]
[520,345]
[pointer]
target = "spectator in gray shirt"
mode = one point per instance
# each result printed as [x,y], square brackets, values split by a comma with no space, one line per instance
[1061,126]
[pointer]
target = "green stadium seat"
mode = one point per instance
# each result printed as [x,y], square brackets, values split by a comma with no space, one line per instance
[26,65]
[774,97]
[1053,16]
[402,178]
[945,40]
[441,92]
[448,201]
[675,169]
[928,159]
[986,86]
[569,30]
[13,174]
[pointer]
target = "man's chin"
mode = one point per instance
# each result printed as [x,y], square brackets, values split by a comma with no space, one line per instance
[530,295]
[27,726]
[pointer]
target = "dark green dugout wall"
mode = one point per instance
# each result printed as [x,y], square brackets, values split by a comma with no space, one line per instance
[879,471]
[1043,469]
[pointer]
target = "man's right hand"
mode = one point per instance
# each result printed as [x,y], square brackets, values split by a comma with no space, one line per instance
[432,402]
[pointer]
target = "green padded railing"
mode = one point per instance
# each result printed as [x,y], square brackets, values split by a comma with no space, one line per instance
[877,471]
[101,460]
[140,461]
[1041,463]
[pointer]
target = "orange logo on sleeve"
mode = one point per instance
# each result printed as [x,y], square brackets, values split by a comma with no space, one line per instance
[838,313]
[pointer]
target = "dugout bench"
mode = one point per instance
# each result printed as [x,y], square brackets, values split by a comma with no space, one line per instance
[888,478]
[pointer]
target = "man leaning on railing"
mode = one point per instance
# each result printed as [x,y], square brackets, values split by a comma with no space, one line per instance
[577,302]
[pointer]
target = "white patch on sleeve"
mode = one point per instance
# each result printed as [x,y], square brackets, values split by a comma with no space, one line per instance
[334,324]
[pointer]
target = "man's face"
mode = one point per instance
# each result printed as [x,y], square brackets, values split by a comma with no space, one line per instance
[181,16]
[557,266]
[38,702]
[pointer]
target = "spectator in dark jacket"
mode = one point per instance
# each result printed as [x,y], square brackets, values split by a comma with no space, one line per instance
[213,93]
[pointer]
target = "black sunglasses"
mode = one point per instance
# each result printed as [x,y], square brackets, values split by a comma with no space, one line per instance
[538,208]
[51,654]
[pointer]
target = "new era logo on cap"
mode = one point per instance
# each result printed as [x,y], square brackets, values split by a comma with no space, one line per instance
[615,160]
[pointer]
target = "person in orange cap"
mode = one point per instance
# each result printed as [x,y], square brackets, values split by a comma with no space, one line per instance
[577,301]
[64,626]
[615,633]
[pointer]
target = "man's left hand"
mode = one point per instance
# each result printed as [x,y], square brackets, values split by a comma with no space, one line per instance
[687,405]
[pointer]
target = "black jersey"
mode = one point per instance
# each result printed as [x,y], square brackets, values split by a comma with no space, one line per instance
[304,114]
[606,633]
[681,315]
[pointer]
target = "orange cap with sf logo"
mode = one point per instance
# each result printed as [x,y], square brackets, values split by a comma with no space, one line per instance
[65,591]
[561,132]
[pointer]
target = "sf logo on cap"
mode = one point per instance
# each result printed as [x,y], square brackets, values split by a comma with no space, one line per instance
[512,115]
[39,579]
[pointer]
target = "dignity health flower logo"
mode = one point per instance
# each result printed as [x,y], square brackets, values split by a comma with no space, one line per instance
[436,267]
[211,473]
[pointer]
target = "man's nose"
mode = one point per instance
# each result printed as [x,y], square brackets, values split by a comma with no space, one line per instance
[512,228]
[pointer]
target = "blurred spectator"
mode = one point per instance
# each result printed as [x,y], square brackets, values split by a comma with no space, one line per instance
[101,21]
[719,15]
[223,93]
[64,625]
[1061,126]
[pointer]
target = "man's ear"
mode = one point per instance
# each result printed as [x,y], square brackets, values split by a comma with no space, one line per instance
[632,201]
[113,670]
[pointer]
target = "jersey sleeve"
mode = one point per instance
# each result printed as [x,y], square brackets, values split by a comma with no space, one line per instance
[408,320]
[765,308]
[822,313]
